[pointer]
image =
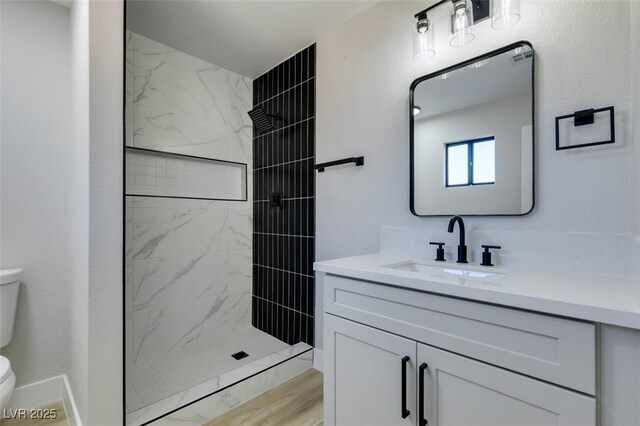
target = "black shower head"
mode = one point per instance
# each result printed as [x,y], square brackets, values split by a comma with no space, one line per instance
[260,119]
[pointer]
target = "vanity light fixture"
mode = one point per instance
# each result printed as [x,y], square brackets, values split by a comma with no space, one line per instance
[416,110]
[463,14]
[504,13]
[423,42]
[461,23]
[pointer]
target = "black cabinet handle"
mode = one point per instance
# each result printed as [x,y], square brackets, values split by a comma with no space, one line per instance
[405,412]
[421,420]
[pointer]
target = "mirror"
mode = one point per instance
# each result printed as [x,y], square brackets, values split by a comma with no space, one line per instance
[472,136]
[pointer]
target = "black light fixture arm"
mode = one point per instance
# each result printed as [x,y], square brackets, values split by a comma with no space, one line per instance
[476,3]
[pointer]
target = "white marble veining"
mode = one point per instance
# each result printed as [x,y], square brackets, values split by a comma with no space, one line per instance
[190,278]
[169,131]
[183,104]
[240,227]
[240,265]
[188,261]
[177,326]
[240,125]
[163,281]
[239,310]
[170,383]
[180,231]
[222,402]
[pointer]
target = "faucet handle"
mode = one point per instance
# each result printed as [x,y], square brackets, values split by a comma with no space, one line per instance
[439,251]
[486,255]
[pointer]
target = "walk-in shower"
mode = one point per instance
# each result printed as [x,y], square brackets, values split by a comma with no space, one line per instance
[218,279]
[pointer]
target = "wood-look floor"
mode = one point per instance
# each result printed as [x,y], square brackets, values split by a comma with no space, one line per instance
[60,420]
[297,402]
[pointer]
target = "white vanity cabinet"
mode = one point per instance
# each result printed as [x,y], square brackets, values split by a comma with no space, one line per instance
[459,391]
[458,362]
[366,385]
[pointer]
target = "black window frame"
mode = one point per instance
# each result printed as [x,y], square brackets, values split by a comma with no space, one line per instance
[470,156]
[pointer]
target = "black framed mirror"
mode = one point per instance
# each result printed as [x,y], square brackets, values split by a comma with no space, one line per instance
[472,136]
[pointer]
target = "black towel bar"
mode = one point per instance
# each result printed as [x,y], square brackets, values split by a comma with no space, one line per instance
[359,161]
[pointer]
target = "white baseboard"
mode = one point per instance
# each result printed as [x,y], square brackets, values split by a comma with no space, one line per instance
[45,392]
[318,360]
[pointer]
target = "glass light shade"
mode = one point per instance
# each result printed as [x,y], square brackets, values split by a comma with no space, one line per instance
[423,43]
[504,13]
[461,23]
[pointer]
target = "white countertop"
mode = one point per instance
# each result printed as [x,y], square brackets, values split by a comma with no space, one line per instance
[606,299]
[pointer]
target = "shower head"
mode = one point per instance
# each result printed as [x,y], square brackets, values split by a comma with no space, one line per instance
[260,119]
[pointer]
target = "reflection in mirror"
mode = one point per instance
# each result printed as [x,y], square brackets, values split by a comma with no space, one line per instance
[472,137]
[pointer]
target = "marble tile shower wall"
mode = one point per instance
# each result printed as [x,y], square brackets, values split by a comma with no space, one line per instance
[188,262]
[283,237]
[186,105]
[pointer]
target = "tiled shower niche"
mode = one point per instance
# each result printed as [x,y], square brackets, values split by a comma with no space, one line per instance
[159,174]
[284,229]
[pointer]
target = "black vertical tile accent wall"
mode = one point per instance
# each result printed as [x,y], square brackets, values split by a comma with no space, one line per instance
[283,237]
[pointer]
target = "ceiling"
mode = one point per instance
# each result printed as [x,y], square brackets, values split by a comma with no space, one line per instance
[246,37]
[500,78]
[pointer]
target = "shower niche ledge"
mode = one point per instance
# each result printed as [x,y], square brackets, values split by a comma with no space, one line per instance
[153,173]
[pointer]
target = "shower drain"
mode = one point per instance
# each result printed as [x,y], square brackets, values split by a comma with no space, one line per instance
[240,355]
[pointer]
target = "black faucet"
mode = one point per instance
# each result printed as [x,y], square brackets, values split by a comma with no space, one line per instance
[462,248]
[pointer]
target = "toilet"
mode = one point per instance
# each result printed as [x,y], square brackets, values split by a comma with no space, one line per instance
[9,284]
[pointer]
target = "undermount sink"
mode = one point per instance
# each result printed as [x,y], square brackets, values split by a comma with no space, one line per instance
[423,268]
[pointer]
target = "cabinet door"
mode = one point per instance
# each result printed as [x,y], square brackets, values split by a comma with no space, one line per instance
[363,377]
[459,391]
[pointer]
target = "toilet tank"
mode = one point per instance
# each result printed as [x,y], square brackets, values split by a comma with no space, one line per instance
[9,285]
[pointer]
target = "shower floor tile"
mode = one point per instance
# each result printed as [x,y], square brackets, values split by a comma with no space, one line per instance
[184,371]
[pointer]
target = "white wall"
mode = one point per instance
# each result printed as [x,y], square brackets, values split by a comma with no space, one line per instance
[365,67]
[34,158]
[635,178]
[96,206]
[106,169]
[78,206]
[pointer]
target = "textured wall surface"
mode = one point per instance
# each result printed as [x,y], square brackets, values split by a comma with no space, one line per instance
[283,237]
[188,261]
[105,239]
[363,110]
[94,204]
[34,148]
[78,206]
[364,71]
[635,178]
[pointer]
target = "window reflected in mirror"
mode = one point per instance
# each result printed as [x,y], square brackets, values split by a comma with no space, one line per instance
[470,162]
